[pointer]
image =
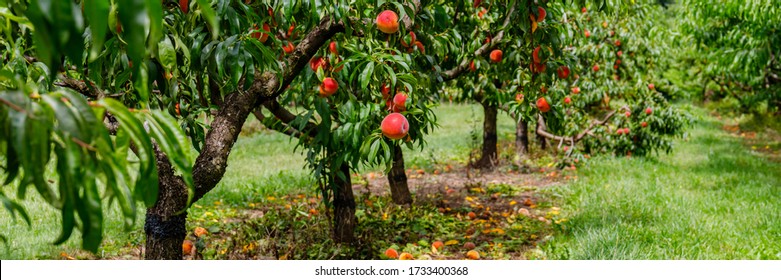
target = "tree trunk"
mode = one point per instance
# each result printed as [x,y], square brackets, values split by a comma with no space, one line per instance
[489,153]
[344,207]
[522,137]
[543,141]
[397,179]
[165,221]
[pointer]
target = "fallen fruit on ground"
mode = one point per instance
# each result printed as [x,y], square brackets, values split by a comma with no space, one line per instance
[438,244]
[469,245]
[473,255]
[187,247]
[406,256]
[391,253]
[199,231]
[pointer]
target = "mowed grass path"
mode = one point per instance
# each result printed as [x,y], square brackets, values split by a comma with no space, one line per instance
[710,199]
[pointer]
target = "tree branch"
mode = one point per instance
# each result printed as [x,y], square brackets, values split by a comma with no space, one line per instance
[210,165]
[286,117]
[276,125]
[575,139]
[458,70]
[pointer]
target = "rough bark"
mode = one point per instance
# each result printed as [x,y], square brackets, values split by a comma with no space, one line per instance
[211,163]
[397,179]
[489,152]
[344,207]
[522,137]
[165,231]
[541,127]
[165,221]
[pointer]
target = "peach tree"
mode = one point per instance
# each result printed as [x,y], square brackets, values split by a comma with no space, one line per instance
[592,89]
[356,103]
[209,64]
[54,116]
[734,51]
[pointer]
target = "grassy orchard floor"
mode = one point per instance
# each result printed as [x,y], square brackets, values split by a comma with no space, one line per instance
[713,198]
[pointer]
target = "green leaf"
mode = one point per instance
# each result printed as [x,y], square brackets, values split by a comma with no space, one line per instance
[155,12]
[117,177]
[211,18]
[91,215]
[134,20]
[97,12]
[167,55]
[366,75]
[374,149]
[173,142]
[146,187]
[67,167]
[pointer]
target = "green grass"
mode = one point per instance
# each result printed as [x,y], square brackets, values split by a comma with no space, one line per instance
[35,241]
[265,163]
[710,199]
[451,140]
[260,165]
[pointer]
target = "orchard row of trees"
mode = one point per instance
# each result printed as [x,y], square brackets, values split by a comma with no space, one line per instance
[735,54]
[147,97]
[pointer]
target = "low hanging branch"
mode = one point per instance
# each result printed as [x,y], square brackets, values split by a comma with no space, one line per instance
[575,139]
[276,125]
[286,117]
